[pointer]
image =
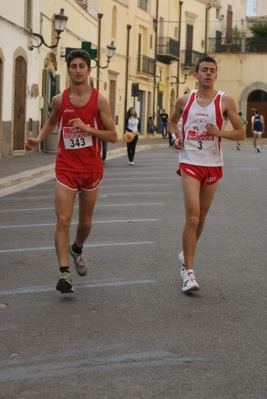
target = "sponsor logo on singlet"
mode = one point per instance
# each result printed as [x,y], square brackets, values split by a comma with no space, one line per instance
[201,114]
[199,136]
[68,110]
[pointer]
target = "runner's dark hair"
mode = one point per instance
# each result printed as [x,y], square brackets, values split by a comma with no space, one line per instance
[205,58]
[79,54]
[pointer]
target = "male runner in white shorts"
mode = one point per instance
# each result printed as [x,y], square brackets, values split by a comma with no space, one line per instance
[257,127]
[84,120]
[197,127]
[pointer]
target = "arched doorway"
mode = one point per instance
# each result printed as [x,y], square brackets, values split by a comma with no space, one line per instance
[257,99]
[19,104]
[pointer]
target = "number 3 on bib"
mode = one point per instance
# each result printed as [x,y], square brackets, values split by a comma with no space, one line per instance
[199,145]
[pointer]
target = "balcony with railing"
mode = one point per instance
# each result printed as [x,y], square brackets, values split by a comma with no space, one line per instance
[167,50]
[238,45]
[145,65]
[190,58]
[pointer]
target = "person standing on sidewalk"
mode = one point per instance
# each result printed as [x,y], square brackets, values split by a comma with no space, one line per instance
[257,127]
[197,127]
[244,123]
[132,124]
[84,120]
[164,123]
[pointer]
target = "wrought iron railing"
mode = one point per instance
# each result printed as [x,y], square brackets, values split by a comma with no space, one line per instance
[238,45]
[168,46]
[145,65]
[190,57]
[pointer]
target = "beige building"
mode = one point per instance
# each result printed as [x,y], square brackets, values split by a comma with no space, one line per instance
[260,7]
[158,43]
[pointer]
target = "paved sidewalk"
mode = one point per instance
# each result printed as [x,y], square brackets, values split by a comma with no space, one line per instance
[31,165]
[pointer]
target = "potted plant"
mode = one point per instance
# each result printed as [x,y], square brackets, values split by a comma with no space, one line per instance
[236,41]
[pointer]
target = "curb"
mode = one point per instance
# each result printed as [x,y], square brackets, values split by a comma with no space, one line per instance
[31,174]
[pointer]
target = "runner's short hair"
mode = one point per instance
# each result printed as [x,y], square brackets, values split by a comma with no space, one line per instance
[79,54]
[205,58]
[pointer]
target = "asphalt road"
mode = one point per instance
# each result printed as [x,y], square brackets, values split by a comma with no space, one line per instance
[128,331]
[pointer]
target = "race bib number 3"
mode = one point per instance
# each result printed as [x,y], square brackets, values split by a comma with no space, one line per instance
[199,141]
[76,138]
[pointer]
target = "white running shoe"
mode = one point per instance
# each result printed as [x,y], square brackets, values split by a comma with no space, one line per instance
[181,259]
[189,281]
[79,262]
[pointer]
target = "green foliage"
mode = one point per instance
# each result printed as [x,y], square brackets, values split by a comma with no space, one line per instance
[237,33]
[258,42]
[259,29]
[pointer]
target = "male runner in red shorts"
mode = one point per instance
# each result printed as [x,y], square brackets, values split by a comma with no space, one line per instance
[200,117]
[84,120]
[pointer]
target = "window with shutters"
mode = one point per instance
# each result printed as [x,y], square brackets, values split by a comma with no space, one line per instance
[189,44]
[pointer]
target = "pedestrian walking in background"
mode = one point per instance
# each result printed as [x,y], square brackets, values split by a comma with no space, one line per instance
[132,124]
[164,123]
[244,123]
[84,120]
[104,151]
[197,127]
[258,128]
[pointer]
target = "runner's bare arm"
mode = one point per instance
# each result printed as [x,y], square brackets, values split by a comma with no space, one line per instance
[177,113]
[109,133]
[48,127]
[174,119]
[252,123]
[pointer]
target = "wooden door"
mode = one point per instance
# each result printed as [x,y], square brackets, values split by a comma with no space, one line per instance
[19,104]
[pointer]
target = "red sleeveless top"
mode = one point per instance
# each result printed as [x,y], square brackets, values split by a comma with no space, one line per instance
[78,151]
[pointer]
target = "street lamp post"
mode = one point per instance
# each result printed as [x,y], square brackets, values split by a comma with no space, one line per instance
[60,23]
[110,52]
[86,46]
[186,70]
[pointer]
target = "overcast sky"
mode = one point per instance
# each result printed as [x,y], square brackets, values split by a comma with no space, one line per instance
[250,12]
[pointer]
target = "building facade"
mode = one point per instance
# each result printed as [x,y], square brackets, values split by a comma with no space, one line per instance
[158,43]
[260,7]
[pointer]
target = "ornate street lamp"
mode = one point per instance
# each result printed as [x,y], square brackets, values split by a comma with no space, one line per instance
[60,23]
[186,70]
